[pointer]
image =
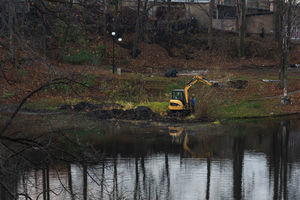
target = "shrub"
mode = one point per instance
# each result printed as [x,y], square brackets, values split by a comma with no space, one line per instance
[89,80]
[207,102]
[85,56]
[8,94]
[71,37]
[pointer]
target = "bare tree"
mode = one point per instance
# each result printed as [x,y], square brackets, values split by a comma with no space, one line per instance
[286,13]
[139,24]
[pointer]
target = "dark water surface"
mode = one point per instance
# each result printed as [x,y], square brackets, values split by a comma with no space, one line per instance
[236,160]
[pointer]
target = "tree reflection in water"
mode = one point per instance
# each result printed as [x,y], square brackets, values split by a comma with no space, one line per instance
[187,165]
[279,160]
[238,158]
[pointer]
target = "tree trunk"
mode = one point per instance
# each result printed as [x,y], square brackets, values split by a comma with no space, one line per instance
[137,31]
[142,31]
[3,21]
[116,7]
[237,14]
[281,33]
[276,18]
[11,32]
[283,80]
[44,38]
[105,27]
[169,43]
[210,25]
[286,51]
[243,28]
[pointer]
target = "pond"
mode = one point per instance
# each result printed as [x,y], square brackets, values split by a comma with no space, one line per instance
[122,160]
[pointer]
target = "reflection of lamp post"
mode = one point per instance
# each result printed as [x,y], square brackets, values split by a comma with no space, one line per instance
[113,61]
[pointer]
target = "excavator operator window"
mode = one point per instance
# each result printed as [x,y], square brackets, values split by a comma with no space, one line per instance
[178,95]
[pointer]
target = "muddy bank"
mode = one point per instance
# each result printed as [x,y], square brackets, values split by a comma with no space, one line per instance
[105,111]
[140,113]
[115,111]
[112,111]
[11,108]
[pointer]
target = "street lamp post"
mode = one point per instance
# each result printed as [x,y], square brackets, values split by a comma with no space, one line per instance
[113,41]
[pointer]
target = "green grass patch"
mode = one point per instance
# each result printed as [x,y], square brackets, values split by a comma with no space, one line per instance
[241,109]
[293,77]
[8,94]
[155,106]
[158,107]
[84,56]
[127,90]
[43,104]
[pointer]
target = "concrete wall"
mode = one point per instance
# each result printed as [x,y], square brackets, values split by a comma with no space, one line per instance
[199,11]
[224,24]
[255,24]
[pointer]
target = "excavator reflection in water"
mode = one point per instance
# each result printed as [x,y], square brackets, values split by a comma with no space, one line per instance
[178,133]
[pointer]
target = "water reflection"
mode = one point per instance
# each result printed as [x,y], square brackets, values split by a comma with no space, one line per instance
[235,161]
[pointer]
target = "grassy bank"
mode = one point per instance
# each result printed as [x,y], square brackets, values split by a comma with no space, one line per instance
[133,90]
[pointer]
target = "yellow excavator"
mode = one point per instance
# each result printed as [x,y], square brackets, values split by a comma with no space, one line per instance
[180,102]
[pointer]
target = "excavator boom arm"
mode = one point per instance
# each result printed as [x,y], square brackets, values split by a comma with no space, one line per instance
[192,82]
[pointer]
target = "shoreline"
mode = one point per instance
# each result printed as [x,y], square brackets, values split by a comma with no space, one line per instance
[9,109]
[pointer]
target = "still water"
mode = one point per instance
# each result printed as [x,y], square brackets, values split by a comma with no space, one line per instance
[234,160]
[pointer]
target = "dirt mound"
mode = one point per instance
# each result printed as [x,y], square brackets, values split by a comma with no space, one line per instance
[238,84]
[86,106]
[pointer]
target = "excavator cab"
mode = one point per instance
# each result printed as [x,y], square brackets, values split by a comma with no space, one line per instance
[178,94]
[178,101]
